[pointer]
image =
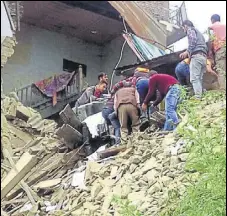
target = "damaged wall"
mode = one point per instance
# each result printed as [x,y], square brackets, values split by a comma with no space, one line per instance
[39,54]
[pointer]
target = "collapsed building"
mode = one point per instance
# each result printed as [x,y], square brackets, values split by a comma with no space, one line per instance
[82,39]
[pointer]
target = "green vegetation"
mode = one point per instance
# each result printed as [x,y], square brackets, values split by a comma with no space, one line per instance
[204,128]
[125,208]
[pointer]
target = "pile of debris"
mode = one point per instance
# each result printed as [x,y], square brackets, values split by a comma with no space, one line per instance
[30,153]
[150,167]
[40,176]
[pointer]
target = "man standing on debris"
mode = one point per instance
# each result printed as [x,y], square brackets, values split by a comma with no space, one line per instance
[92,93]
[197,52]
[168,88]
[217,45]
[126,105]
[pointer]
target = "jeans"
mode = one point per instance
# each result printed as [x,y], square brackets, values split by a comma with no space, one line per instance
[171,101]
[111,119]
[183,73]
[197,69]
[142,87]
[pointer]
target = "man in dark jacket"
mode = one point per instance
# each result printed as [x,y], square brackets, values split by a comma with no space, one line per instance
[197,52]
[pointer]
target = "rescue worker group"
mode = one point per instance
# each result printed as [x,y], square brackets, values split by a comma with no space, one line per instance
[133,98]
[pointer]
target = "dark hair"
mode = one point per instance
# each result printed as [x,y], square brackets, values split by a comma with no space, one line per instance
[101,75]
[216,18]
[187,23]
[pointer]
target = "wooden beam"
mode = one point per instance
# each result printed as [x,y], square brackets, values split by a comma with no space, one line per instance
[110,152]
[23,166]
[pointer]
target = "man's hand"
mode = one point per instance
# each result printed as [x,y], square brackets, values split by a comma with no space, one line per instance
[144,107]
[184,55]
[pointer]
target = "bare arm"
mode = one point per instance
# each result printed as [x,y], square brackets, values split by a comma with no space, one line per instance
[211,71]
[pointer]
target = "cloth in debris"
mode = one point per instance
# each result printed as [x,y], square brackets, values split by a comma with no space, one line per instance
[92,123]
[160,82]
[54,84]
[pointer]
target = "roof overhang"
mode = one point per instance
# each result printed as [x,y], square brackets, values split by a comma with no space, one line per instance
[92,21]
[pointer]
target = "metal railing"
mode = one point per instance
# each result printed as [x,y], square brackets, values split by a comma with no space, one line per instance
[31,96]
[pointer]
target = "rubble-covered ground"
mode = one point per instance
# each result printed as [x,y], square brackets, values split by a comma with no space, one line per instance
[177,173]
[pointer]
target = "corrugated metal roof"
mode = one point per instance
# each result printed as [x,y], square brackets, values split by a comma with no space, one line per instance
[140,22]
[153,63]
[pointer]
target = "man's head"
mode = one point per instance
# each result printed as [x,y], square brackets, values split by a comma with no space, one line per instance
[101,86]
[187,24]
[152,72]
[102,77]
[215,18]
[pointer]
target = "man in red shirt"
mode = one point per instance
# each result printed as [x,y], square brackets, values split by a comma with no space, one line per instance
[169,88]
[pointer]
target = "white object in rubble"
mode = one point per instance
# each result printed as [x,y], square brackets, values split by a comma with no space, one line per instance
[175,149]
[94,156]
[78,179]
[49,207]
[26,207]
[92,123]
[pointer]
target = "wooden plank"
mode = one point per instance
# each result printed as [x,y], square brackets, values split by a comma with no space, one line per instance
[110,152]
[24,165]
[68,117]
[80,76]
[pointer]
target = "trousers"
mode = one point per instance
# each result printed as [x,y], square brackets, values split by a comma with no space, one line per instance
[197,70]
[171,101]
[126,112]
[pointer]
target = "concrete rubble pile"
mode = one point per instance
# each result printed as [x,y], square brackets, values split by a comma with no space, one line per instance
[40,176]
[31,153]
[151,167]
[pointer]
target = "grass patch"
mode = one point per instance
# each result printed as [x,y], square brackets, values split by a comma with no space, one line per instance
[125,208]
[205,129]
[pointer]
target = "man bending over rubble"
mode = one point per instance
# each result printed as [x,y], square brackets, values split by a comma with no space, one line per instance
[126,105]
[169,88]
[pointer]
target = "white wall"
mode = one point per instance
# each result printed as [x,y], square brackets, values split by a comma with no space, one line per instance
[39,54]
[111,54]
[5,24]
